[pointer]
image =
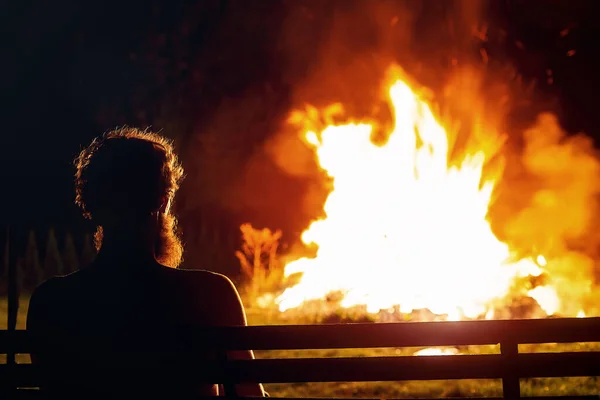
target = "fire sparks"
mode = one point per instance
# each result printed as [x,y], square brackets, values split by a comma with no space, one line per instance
[405,224]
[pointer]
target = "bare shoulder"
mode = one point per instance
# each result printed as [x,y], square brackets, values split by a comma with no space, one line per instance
[57,291]
[203,278]
[219,292]
[51,289]
[45,301]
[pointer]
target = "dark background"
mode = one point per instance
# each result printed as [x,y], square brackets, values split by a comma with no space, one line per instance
[219,76]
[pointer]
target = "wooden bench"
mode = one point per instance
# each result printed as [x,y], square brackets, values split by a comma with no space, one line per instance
[509,364]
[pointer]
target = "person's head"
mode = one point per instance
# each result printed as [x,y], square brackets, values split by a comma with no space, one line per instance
[125,183]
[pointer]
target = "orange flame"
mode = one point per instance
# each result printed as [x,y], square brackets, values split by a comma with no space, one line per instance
[406,225]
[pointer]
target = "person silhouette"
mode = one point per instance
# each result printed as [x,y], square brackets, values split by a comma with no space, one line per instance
[126,308]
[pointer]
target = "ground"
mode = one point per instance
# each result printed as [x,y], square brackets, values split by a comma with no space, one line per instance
[461,388]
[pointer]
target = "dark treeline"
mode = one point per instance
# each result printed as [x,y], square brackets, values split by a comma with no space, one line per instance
[44,257]
[53,253]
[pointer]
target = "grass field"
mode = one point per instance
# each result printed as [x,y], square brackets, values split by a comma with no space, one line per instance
[457,388]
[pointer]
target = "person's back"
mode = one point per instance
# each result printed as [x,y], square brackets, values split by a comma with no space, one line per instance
[127,308]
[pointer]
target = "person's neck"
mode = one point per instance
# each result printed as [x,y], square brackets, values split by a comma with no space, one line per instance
[126,249]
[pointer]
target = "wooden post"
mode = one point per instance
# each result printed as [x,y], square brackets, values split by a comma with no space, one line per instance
[228,385]
[511,388]
[13,292]
[13,298]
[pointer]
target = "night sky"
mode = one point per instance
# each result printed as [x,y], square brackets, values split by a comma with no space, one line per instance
[73,69]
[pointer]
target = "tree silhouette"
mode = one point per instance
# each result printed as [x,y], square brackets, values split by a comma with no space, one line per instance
[53,264]
[32,273]
[70,259]
[259,261]
[4,269]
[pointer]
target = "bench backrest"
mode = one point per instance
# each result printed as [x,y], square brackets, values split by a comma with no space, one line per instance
[509,364]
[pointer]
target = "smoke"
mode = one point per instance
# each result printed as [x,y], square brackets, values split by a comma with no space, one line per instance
[339,52]
[567,169]
[553,208]
[551,189]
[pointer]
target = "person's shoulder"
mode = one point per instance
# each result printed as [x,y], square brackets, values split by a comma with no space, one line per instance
[50,288]
[206,278]
[211,294]
[202,274]
[44,302]
[55,288]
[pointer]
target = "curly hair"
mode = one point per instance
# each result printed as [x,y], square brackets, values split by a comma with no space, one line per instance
[129,174]
[126,169]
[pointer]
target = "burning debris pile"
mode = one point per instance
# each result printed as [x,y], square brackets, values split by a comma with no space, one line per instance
[408,223]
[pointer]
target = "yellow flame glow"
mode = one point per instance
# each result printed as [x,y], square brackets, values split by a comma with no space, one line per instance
[405,226]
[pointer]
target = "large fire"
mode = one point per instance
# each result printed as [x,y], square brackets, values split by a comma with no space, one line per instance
[406,224]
